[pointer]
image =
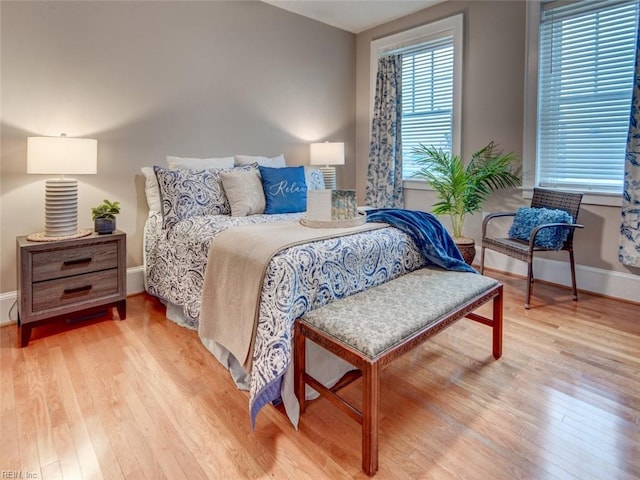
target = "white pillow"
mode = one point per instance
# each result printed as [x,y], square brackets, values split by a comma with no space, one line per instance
[244,191]
[273,162]
[199,163]
[151,189]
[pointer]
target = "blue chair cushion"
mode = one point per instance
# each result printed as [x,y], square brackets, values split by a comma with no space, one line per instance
[526,219]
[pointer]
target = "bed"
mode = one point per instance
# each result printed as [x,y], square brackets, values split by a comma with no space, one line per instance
[297,279]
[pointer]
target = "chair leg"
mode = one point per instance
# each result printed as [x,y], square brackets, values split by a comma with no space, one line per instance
[527,302]
[573,276]
[482,261]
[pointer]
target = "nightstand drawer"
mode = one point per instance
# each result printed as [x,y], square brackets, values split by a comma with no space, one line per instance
[76,290]
[48,265]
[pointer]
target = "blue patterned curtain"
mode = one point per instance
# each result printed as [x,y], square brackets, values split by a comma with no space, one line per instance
[384,175]
[629,253]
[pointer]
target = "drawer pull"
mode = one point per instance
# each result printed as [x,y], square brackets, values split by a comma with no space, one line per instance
[77,261]
[84,288]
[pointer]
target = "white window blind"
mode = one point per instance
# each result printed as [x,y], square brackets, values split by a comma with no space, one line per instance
[586,69]
[427,99]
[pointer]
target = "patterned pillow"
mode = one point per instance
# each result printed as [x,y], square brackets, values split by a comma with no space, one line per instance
[186,193]
[527,219]
[314,178]
[285,189]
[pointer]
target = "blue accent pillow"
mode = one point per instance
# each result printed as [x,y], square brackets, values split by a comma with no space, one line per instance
[285,189]
[527,219]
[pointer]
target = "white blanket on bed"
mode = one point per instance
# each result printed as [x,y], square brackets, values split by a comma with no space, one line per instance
[238,259]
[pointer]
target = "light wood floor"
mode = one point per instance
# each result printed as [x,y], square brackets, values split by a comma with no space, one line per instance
[142,398]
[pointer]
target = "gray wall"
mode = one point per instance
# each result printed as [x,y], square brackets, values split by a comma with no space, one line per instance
[150,79]
[492,109]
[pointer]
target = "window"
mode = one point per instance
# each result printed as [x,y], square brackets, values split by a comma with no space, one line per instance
[585,78]
[431,85]
[427,99]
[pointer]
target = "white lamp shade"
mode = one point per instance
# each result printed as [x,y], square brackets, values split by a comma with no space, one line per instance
[62,155]
[327,153]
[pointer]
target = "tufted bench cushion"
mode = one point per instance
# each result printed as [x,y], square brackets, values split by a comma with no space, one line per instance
[375,320]
[372,328]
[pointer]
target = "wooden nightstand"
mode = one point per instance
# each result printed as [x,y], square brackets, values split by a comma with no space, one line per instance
[65,279]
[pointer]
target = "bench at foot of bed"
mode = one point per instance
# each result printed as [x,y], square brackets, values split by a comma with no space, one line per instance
[374,327]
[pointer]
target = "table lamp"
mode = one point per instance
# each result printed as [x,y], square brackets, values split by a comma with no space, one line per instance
[61,156]
[327,154]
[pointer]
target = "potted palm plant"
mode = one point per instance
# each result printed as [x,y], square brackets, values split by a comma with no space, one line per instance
[104,216]
[462,189]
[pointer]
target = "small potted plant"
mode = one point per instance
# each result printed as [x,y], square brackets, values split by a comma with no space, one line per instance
[462,189]
[104,216]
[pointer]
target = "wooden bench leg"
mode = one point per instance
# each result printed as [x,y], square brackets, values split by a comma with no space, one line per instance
[497,325]
[371,400]
[299,364]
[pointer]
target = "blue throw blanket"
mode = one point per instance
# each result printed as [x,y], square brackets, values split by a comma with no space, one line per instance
[429,235]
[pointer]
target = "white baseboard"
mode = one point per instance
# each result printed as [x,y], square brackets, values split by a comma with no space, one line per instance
[135,280]
[604,282]
[596,280]
[9,313]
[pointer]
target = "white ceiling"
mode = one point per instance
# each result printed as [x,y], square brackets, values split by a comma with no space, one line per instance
[353,15]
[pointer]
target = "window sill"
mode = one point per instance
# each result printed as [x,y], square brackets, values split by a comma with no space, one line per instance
[603,199]
[416,185]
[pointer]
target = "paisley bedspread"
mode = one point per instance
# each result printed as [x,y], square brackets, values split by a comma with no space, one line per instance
[175,259]
[298,279]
